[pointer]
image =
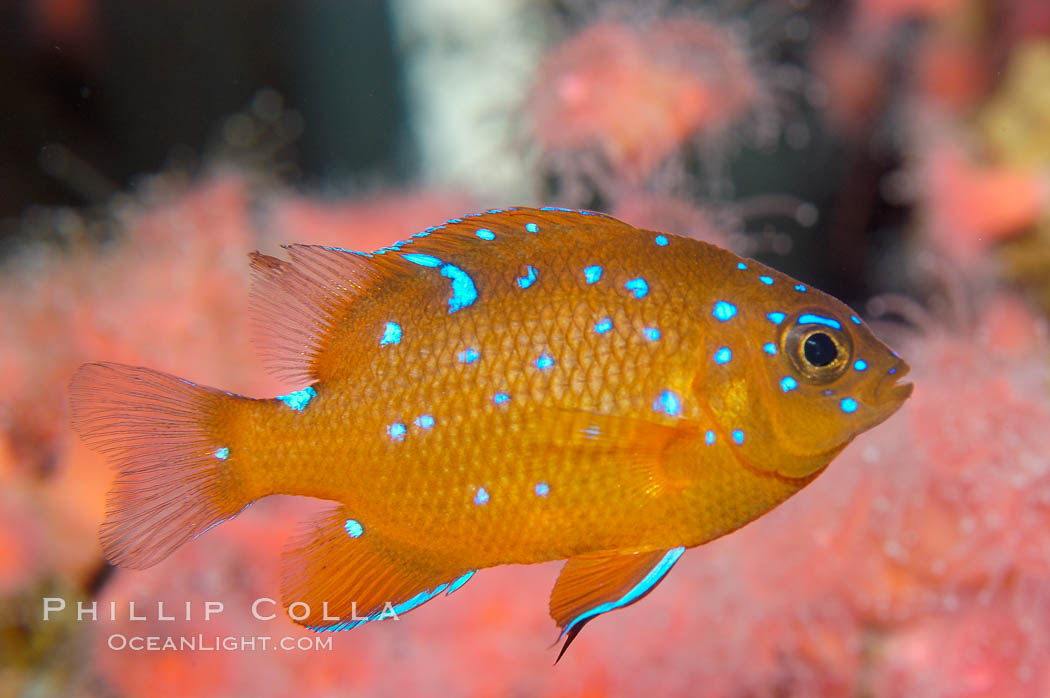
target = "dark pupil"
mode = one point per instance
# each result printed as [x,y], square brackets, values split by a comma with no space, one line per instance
[819,349]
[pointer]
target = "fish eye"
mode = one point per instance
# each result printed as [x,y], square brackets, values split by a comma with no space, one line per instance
[818,347]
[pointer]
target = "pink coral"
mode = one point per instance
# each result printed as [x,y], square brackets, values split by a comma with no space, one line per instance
[970,206]
[636,93]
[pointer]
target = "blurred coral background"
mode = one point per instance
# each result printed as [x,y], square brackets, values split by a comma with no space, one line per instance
[893,152]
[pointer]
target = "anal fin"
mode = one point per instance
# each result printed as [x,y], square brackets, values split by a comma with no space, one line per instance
[346,574]
[590,585]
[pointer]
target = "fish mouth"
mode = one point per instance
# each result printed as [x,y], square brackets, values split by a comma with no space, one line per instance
[890,391]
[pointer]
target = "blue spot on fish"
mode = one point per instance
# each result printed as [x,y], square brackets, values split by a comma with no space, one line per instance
[222,453]
[424,421]
[604,325]
[396,431]
[468,356]
[810,318]
[724,311]
[481,496]
[299,399]
[800,287]
[776,318]
[423,260]
[463,291]
[787,384]
[855,319]
[668,403]
[738,436]
[860,365]
[529,278]
[485,234]
[391,334]
[638,287]
[532,227]
[709,438]
[542,489]
[651,333]
[723,355]
[545,361]
[353,528]
[766,280]
[741,266]
[500,398]
[848,405]
[661,240]
[638,591]
[770,348]
[592,274]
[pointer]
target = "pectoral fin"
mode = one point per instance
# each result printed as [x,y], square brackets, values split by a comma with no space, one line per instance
[590,585]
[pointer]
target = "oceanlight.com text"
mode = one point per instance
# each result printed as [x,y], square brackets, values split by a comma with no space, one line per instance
[218,643]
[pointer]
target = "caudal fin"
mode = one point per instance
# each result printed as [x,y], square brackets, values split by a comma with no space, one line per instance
[163,434]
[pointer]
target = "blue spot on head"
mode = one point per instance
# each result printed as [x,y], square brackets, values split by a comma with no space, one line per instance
[709,437]
[529,278]
[463,291]
[396,431]
[723,355]
[860,365]
[222,453]
[391,334]
[592,273]
[855,319]
[638,287]
[468,356]
[766,280]
[604,325]
[532,227]
[770,348]
[423,260]
[800,287]
[353,528]
[891,371]
[738,436]
[661,240]
[542,489]
[787,384]
[545,361]
[500,398]
[668,403]
[424,421]
[485,234]
[848,405]
[651,333]
[776,318]
[481,496]
[741,266]
[724,311]
[299,399]
[811,319]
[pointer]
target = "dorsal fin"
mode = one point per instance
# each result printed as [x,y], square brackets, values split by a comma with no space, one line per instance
[304,306]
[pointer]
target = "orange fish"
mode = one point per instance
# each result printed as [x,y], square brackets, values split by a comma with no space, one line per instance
[510,387]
